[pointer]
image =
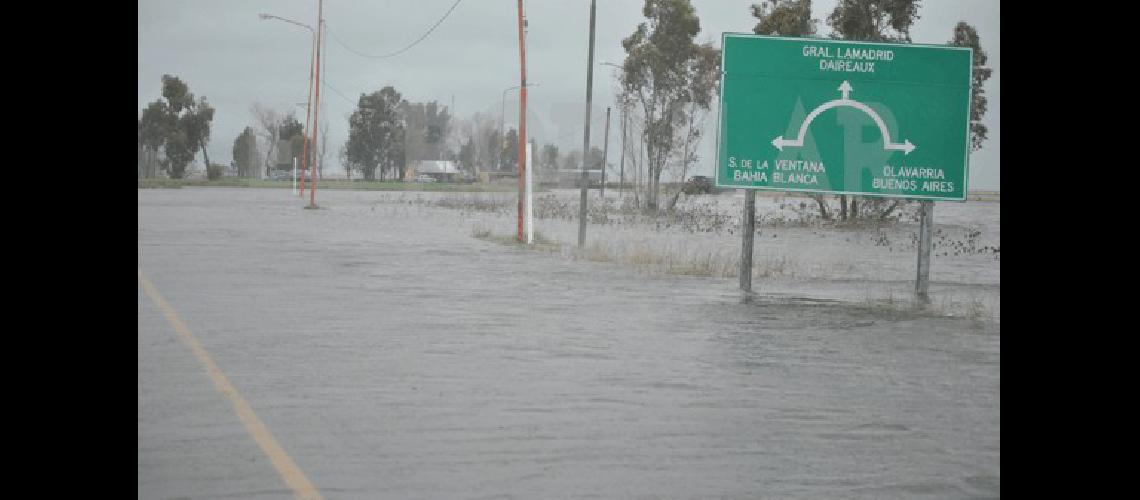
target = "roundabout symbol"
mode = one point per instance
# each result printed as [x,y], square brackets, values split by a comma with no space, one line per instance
[906,147]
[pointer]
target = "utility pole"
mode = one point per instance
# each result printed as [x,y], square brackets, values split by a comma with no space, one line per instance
[586,135]
[308,109]
[605,153]
[621,174]
[522,119]
[317,106]
[324,55]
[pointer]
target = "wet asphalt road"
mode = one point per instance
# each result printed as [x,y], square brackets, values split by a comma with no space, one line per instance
[393,355]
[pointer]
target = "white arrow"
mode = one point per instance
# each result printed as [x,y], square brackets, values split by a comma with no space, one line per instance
[845,88]
[906,147]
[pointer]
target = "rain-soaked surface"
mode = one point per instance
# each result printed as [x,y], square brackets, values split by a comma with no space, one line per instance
[395,355]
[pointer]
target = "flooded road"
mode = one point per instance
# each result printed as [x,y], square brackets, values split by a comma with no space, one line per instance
[394,355]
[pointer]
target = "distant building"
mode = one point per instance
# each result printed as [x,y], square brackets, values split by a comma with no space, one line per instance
[573,177]
[441,170]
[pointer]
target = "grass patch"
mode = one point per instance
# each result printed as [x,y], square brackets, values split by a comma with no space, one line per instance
[179,183]
[668,260]
[895,307]
[541,242]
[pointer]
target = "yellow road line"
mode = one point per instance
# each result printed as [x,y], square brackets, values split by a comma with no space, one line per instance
[289,471]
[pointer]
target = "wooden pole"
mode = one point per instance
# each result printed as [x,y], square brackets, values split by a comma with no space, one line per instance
[586,135]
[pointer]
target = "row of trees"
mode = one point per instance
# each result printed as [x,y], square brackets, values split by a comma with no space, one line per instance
[174,129]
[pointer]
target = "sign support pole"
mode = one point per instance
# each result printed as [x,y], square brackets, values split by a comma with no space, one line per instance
[925,242]
[747,235]
[605,154]
[294,175]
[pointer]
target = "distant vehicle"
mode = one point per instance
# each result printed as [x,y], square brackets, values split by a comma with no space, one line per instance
[424,178]
[280,175]
[698,184]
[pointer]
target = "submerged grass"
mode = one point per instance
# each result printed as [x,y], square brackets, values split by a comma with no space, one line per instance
[896,307]
[541,242]
[668,260]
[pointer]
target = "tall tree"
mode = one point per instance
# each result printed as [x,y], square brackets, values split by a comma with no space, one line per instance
[789,18]
[667,74]
[245,152]
[494,148]
[290,128]
[467,155]
[293,133]
[155,125]
[427,127]
[509,156]
[376,134]
[549,157]
[268,120]
[180,125]
[197,126]
[179,152]
[474,135]
[871,21]
[784,18]
[874,20]
[966,36]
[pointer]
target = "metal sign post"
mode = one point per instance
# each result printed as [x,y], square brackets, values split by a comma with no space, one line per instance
[925,242]
[747,235]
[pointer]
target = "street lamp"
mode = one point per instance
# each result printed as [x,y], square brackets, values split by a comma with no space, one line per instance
[308,102]
[502,113]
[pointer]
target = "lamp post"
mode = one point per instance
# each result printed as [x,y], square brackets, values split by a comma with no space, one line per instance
[308,102]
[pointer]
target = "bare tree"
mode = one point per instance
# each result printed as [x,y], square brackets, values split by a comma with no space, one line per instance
[268,121]
[664,73]
[689,139]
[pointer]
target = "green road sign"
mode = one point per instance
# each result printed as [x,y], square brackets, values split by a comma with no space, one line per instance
[877,119]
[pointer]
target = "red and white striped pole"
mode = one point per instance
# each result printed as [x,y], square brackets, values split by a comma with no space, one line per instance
[317,106]
[522,119]
[308,108]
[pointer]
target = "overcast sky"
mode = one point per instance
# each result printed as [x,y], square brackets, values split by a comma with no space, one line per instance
[223,51]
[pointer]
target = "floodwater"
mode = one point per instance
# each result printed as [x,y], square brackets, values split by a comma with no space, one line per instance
[394,355]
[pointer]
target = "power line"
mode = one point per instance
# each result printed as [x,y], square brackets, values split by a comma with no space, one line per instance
[398,52]
[342,96]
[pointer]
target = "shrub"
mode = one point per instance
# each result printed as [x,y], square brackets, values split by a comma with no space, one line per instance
[214,172]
